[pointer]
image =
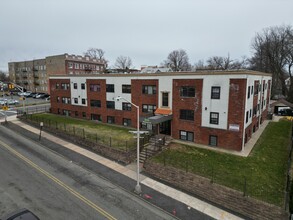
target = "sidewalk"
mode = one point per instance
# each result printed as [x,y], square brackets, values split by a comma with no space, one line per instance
[130,171]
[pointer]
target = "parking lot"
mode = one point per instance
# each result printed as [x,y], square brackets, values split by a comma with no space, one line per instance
[28,100]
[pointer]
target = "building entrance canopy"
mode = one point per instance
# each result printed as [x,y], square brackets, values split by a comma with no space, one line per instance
[157,119]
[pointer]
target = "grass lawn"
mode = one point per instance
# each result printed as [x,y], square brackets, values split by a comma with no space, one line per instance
[103,132]
[264,169]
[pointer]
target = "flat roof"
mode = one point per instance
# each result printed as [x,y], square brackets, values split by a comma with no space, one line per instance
[198,73]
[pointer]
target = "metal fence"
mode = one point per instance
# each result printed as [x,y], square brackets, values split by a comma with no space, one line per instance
[78,132]
[242,182]
[33,110]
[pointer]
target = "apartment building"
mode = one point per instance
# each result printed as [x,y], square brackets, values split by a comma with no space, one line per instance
[33,75]
[216,108]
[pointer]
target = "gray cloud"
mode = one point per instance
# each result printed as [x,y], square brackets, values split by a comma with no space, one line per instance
[146,31]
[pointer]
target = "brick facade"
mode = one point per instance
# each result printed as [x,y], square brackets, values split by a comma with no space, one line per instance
[240,109]
[33,75]
[187,103]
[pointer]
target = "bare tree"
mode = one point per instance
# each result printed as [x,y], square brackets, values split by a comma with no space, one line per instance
[200,65]
[3,76]
[272,53]
[123,63]
[226,63]
[178,60]
[95,53]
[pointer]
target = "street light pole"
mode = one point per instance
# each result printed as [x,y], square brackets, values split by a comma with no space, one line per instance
[137,187]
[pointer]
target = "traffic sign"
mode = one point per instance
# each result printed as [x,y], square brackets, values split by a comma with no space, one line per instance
[4,108]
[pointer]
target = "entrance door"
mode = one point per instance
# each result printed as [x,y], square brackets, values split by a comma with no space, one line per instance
[165,127]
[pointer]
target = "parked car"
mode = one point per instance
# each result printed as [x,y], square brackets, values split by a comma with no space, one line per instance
[33,94]
[45,96]
[24,214]
[3,101]
[12,101]
[27,94]
[20,93]
[286,112]
[40,95]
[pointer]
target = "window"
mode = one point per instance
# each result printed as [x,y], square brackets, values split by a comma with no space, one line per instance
[187,114]
[148,108]
[57,86]
[65,86]
[186,135]
[76,113]
[111,119]
[250,113]
[111,104]
[214,118]
[75,85]
[213,140]
[126,88]
[187,91]
[110,88]
[83,114]
[70,65]
[247,116]
[96,103]
[165,99]
[83,101]
[126,106]
[95,87]
[248,92]
[66,112]
[58,99]
[65,100]
[150,90]
[251,90]
[96,117]
[75,100]
[216,91]
[126,122]
[76,66]
[83,86]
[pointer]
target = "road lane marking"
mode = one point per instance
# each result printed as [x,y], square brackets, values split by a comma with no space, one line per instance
[59,182]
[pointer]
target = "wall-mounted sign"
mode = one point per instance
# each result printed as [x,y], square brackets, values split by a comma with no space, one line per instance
[234,127]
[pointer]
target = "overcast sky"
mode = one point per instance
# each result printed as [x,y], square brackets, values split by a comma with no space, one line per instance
[144,30]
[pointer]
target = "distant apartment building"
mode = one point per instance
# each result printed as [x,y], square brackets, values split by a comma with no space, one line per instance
[33,75]
[216,108]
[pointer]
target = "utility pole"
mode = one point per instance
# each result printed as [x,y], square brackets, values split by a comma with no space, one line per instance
[20,88]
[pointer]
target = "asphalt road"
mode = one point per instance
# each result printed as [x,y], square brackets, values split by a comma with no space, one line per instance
[53,187]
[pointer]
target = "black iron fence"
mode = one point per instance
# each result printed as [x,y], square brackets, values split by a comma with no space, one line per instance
[33,110]
[85,134]
[244,183]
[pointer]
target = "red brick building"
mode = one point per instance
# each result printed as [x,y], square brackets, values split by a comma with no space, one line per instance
[33,75]
[218,108]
